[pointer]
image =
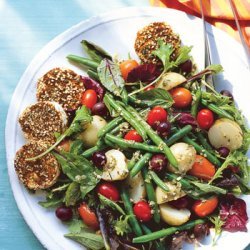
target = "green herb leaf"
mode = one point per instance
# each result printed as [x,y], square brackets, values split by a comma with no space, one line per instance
[218,223]
[51,201]
[183,55]
[79,170]
[73,194]
[122,226]
[207,188]
[110,76]
[94,51]
[107,202]
[76,147]
[76,226]
[215,68]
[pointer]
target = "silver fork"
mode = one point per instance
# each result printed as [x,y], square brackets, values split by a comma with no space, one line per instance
[209,78]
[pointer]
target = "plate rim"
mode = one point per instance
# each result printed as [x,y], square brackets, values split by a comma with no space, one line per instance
[127,12]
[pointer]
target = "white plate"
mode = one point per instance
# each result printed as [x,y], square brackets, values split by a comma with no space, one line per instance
[115,31]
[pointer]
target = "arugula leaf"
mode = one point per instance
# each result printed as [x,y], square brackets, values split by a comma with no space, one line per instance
[51,201]
[110,76]
[82,117]
[94,51]
[73,194]
[122,226]
[76,147]
[183,55]
[90,240]
[107,202]
[218,223]
[79,170]
[207,188]
[215,68]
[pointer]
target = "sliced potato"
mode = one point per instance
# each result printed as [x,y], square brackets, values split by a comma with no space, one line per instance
[116,166]
[174,216]
[225,133]
[136,187]
[174,193]
[170,80]
[185,156]
[90,135]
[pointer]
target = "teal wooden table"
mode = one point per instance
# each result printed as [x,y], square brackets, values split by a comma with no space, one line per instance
[25,27]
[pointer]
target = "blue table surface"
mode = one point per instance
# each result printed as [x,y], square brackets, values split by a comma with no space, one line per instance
[25,27]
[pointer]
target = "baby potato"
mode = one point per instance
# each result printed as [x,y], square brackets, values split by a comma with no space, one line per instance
[174,216]
[185,156]
[90,135]
[174,193]
[170,80]
[225,133]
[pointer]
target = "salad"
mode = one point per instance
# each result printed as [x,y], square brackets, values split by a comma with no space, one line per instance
[139,154]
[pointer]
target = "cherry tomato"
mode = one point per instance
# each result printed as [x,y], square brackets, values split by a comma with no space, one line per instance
[109,190]
[205,118]
[156,116]
[89,98]
[149,88]
[127,66]
[182,97]
[142,211]
[132,135]
[202,168]
[88,216]
[65,145]
[203,208]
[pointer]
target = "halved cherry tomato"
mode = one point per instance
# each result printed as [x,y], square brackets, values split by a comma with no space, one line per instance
[133,135]
[205,118]
[203,208]
[142,211]
[156,116]
[127,66]
[149,88]
[88,216]
[109,190]
[182,97]
[202,168]
[89,98]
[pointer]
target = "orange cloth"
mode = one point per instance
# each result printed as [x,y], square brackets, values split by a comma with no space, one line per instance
[217,12]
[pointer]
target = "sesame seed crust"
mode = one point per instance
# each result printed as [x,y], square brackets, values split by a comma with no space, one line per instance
[39,174]
[146,41]
[41,120]
[61,85]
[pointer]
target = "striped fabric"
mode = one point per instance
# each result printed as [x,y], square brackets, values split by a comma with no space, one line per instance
[217,12]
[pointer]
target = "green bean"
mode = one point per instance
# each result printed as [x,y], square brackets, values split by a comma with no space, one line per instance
[202,150]
[125,144]
[126,115]
[145,104]
[158,181]
[129,210]
[125,96]
[184,183]
[204,142]
[84,61]
[154,137]
[166,232]
[133,160]
[151,194]
[217,110]
[109,126]
[178,135]
[87,153]
[195,104]
[92,74]
[140,164]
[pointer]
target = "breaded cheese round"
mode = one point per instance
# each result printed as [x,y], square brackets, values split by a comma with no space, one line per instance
[39,174]
[147,41]
[61,85]
[40,121]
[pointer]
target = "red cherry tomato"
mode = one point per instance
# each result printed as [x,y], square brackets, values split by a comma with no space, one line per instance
[142,211]
[182,97]
[156,116]
[109,190]
[88,216]
[89,98]
[149,88]
[127,66]
[205,118]
[132,135]
[203,208]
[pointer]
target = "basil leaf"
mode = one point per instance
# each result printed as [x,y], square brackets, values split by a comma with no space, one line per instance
[90,240]
[110,76]
[73,194]
[79,170]
[94,51]
[107,202]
